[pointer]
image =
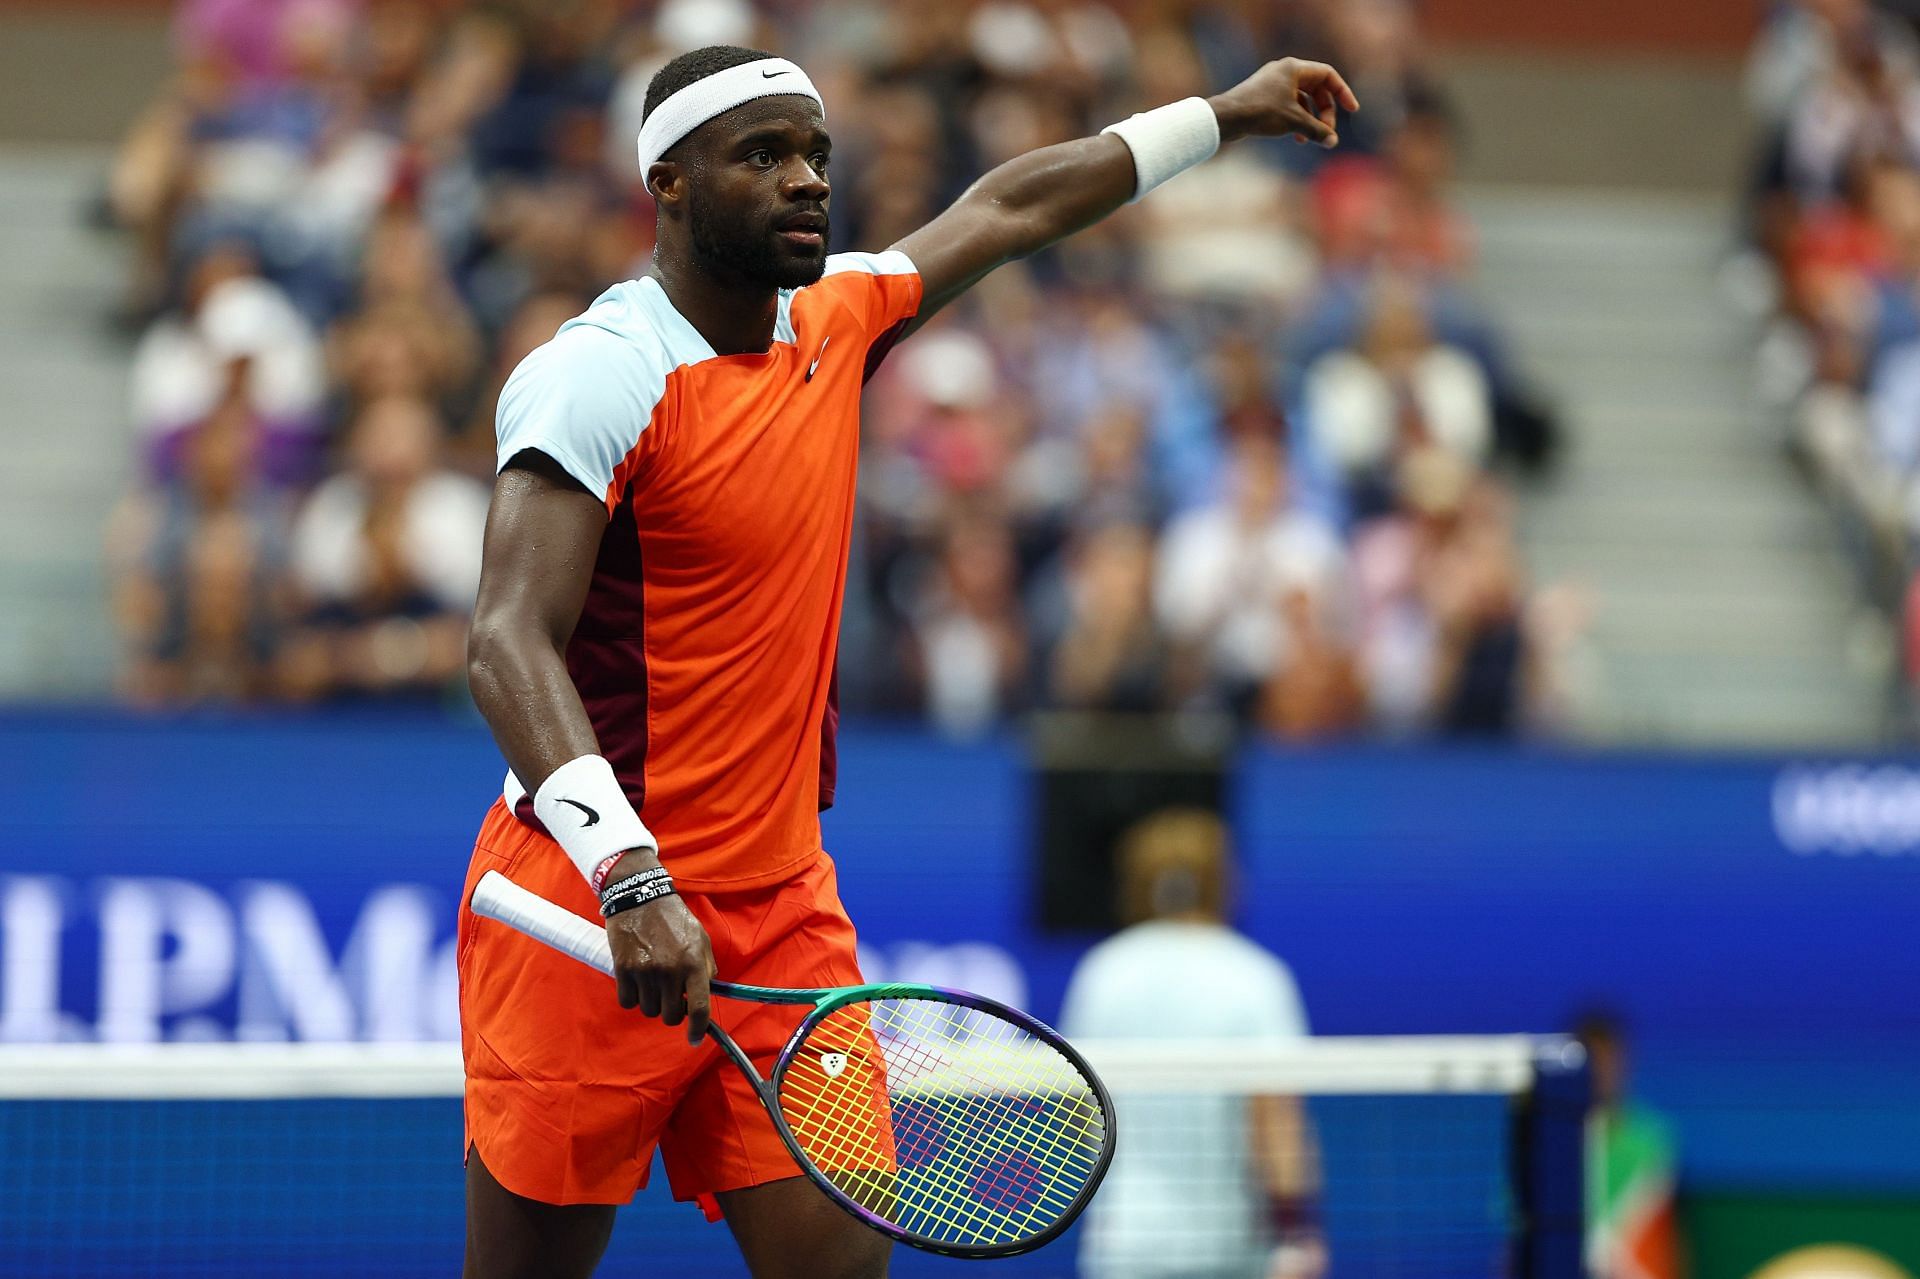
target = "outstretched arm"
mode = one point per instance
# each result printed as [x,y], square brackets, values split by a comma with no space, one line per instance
[1046,195]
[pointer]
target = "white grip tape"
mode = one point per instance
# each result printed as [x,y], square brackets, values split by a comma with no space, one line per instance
[498,898]
[1168,140]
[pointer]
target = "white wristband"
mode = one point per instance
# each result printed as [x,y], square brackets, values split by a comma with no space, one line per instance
[583,806]
[1168,140]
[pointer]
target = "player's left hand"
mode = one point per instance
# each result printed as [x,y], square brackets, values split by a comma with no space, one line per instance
[1290,96]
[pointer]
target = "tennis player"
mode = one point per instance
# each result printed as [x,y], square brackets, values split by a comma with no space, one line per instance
[655,636]
[1235,1181]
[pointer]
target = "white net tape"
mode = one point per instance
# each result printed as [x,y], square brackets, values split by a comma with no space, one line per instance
[1328,1066]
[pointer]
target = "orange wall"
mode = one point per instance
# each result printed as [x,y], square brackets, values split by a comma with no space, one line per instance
[1691,26]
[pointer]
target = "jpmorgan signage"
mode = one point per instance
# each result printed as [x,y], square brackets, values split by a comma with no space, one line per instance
[172,959]
[1849,810]
[176,959]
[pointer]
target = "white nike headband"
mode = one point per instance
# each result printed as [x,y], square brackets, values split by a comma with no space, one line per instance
[691,107]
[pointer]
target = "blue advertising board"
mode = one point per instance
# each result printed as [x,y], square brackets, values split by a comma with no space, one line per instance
[1486,890]
[276,877]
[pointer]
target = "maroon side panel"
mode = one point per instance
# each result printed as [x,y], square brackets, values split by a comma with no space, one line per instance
[830,743]
[607,656]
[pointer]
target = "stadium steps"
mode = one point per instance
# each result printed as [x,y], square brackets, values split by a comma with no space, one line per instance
[66,457]
[1726,613]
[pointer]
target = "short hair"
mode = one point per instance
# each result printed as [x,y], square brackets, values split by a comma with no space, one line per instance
[1173,862]
[693,66]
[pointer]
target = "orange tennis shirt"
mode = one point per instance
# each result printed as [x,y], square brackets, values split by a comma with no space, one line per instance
[705,650]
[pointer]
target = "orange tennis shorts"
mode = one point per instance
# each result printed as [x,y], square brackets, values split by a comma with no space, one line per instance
[568,1094]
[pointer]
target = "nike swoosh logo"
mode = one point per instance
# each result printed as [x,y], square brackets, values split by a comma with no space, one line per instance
[768,75]
[593,818]
[818,358]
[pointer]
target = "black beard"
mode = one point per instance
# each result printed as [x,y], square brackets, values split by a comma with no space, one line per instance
[731,250]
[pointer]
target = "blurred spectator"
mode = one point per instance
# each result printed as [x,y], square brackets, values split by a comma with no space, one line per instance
[1111,657]
[236,342]
[1317,691]
[1473,591]
[1447,644]
[1632,1232]
[1377,44]
[408,333]
[1237,1182]
[1395,209]
[1109,480]
[1095,351]
[1801,41]
[1400,390]
[1242,396]
[1835,222]
[1235,231]
[199,562]
[1119,475]
[386,559]
[970,637]
[1225,568]
[1866,104]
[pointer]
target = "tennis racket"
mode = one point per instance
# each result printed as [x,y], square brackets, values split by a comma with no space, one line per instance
[941,1119]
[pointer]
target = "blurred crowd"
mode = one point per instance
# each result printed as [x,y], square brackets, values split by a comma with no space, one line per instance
[1244,447]
[1834,220]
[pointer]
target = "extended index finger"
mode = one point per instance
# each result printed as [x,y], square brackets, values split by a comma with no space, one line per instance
[699,1000]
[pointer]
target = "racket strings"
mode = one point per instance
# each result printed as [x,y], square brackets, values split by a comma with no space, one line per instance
[1011,1178]
[946,1213]
[949,1122]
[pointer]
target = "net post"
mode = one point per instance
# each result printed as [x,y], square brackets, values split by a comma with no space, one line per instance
[1549,1164]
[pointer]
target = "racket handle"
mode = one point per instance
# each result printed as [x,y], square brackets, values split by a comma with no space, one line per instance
[499,898]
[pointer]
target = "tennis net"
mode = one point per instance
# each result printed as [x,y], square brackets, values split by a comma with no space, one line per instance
[1435,1157]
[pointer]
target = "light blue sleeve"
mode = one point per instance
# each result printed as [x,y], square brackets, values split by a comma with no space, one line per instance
[1083,1011]
[891,262]
[582,399]
[1272,1007]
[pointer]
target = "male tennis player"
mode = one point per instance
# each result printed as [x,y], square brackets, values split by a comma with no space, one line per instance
[655,635]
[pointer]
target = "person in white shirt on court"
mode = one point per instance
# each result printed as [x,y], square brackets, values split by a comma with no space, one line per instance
[1201,1187]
